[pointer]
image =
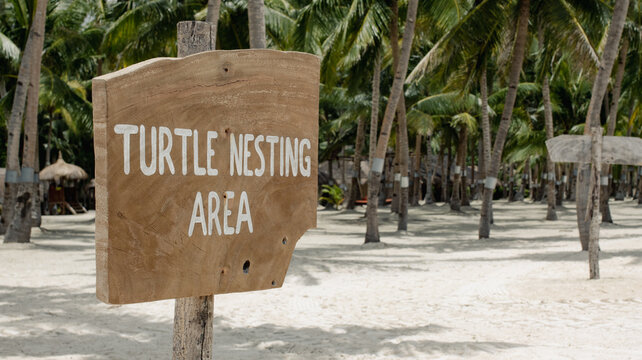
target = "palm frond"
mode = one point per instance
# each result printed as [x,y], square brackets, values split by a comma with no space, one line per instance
[9,50]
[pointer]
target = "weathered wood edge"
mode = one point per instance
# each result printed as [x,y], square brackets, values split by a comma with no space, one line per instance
[147,63]
[99,100]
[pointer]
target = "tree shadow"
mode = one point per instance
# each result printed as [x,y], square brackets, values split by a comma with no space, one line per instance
[56,321]
[60,322]
[275,342]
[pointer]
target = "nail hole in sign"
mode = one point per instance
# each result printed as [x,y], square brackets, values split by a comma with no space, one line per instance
[246,267]
[285,240]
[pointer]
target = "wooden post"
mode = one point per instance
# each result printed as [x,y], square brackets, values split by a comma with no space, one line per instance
[593,209]
[193,316]
[193,328]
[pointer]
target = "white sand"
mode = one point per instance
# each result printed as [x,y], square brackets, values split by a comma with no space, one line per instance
[436,292]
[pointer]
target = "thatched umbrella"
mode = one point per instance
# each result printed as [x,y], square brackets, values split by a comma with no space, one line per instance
[62,170]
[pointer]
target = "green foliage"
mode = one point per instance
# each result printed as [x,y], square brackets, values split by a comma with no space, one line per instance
[454,41]
[332,194]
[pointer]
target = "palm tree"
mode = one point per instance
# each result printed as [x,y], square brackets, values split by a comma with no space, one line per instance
[548,117]
[473,40]
[463,122]
[515,69]
[593,116]
[372,231]
[351,49]
[355,186]
[469,45]
[402,129]
[29,63]
[610,131]
[456,113]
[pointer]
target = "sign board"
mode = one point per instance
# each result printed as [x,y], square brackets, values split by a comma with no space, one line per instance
[577,149]
[206,173]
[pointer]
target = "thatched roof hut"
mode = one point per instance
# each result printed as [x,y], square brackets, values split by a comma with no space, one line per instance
[62,170]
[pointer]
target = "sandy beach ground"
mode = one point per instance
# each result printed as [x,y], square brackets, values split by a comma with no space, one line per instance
[434,292]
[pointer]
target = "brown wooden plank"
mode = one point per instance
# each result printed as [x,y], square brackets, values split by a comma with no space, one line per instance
[145,252]
[577,149]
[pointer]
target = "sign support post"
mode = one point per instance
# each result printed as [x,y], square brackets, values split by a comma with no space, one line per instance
[593,210]
[193,316]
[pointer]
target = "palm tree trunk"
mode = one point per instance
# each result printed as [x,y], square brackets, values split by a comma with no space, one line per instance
[573,194]
[559,196]
[213,10]
[389,180]
[356,169]
[36,208]
[511,182]
[17,203]
[449,168]
[486,137]
[372,231]
[474,159]
[394,206]
[256,22]
[525,172]
[342,165]
[428,199]
[455,200]
[465,199]
[394,48]
[481,173]
[402,137]
[416,183]
[639,185]
[445,167]
[401,187]
[374,111]
[605,193]
[567,180]
[535,183]
[48,150]
[551,214]
[500,139]
[374,115]
[19,229]
[593,116]
[442,166]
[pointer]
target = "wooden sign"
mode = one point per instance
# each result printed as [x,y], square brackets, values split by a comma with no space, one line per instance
[206,173]
[596,150]
[577,149]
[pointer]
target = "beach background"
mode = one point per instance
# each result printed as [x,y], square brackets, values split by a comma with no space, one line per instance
[433,292]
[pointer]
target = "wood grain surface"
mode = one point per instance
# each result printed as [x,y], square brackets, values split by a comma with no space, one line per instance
[143,249]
